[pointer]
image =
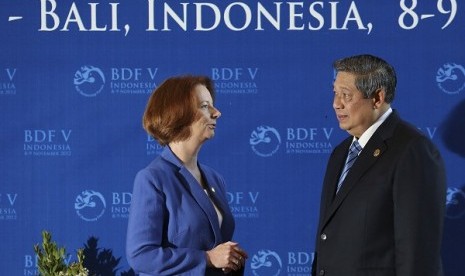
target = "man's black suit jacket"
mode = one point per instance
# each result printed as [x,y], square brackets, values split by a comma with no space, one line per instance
[387,219]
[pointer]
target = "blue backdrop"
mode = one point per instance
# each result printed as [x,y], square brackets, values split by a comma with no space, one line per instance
[75,77]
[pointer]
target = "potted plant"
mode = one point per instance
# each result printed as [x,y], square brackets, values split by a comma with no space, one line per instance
[51,259]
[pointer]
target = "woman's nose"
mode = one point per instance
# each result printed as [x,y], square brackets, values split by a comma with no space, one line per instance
[215,112]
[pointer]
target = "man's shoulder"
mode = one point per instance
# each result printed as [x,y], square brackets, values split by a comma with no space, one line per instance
[409,131]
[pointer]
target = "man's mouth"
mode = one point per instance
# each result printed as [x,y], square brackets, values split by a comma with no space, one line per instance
[341,117]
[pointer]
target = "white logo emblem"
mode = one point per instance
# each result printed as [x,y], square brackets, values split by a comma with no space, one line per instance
[265,141]
[90,205]
[455,203]
[266,263]
[89,81]
[451,78]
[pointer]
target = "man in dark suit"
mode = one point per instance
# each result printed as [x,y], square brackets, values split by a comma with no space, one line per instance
[383,216]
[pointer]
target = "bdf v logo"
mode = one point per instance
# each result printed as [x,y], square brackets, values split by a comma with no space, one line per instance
[11,198]
[11,73]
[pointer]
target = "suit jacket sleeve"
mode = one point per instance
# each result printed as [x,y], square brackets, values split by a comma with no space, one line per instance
[145,250]
[419,189]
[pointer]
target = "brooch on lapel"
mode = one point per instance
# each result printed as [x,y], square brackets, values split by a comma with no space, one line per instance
[376,153]
[213,189]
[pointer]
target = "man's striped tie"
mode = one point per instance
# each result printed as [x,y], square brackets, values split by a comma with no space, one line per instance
[354,150]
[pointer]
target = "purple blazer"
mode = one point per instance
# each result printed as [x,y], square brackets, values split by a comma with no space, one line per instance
[172,221]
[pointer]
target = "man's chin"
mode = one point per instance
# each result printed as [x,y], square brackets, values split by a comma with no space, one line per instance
[346,128]
[343,126]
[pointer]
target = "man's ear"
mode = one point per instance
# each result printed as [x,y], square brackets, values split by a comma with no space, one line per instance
[379,98]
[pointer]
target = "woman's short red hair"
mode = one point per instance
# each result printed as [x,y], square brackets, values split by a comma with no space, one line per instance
[172,108]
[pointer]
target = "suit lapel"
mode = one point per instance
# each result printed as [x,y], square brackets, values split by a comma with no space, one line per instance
[333,173]
[363,163]
[373,150]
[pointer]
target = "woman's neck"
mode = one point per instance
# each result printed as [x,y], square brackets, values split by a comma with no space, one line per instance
[187,153]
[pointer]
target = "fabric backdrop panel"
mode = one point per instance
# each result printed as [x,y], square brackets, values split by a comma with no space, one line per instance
[75,77]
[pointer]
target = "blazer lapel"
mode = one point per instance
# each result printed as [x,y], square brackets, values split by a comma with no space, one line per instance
[203,200]
[221,203]
[218,198]
[197,193]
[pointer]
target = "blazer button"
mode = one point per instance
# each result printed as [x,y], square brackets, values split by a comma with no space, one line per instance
[322,272]
[323,237]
